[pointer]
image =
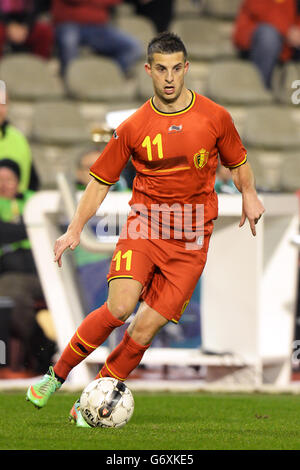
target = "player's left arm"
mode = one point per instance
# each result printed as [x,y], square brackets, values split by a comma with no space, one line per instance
[252,208]
[233,155]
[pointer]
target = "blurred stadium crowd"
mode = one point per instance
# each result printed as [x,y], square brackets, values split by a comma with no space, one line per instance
[67,63]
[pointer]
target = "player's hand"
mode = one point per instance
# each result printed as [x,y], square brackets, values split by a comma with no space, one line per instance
[67,240]
[253,209]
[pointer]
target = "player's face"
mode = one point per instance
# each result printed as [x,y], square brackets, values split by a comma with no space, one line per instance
[167,72]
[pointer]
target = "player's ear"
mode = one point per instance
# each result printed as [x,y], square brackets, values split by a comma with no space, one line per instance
[148,69]
[186,66]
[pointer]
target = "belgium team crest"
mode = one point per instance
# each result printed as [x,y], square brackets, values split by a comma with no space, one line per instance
[201,158]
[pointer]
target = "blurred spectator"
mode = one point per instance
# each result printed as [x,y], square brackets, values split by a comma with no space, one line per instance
[224,183]
[18,276]
[87,23]
[14,145]
[160,13]
[86,159]
[21,31]
[268,31]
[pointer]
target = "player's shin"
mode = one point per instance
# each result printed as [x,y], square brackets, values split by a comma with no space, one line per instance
[123,359]
[92,332]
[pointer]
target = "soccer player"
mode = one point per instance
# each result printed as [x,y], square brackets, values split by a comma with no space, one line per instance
[174,139]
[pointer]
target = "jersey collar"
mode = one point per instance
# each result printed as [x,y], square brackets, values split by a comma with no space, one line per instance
[176,113]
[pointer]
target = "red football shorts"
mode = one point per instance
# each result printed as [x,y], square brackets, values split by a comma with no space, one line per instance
[167,270]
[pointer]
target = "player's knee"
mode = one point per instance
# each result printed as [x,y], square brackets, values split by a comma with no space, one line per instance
[120,309]
[143,330]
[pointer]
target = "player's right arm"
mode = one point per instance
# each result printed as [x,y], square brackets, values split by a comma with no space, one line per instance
[91,199]
[106,172]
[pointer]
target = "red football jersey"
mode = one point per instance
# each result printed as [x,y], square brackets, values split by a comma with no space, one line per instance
[175,154]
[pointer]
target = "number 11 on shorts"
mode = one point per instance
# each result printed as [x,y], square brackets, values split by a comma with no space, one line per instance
[126,256]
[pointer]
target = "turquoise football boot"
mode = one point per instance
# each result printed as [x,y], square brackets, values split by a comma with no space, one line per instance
[40,393]
[76,417]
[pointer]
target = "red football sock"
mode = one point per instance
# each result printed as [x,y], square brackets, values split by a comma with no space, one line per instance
[92,332]
[123,359]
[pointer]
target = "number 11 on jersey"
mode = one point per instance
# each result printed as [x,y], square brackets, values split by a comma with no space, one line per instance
[156,141]
[126,256]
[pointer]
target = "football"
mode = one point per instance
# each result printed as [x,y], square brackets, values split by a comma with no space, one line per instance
[106,403]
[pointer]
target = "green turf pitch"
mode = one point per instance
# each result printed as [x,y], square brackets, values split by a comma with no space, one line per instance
[161,421]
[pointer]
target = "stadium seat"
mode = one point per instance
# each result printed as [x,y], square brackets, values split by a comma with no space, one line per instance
[188,8]
[291,171]
[283,78]
[205,38]
[276,170]
[28,78]
[272,128]
[139,27]
[144,85]
[49,160]
[197,75]
[267,167]
[20,115]
[226,9]
[123,9]
[98,79]
[59,123]
[236,83]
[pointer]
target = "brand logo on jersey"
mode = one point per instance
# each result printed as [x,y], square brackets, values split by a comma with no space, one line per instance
[175,128]
[115,135]
[201,158]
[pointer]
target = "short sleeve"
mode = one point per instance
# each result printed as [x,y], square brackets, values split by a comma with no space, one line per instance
[114,157]
[231,150]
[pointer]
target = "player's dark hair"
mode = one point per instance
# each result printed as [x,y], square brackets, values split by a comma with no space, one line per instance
[165,43]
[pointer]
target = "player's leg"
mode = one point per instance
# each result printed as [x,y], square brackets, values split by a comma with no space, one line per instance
[128,354]
[130,270]
[164,299]
[94,330]
[123,295]
[137,339]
